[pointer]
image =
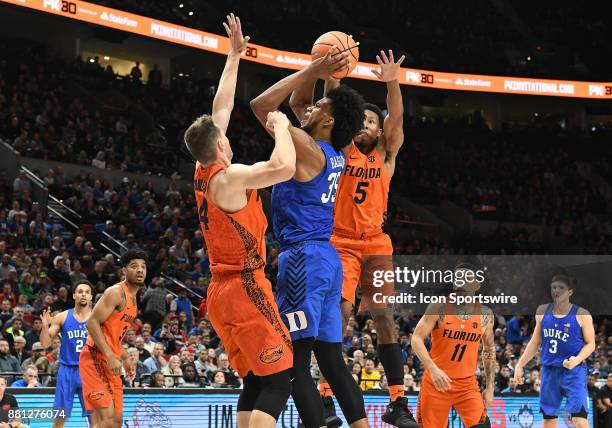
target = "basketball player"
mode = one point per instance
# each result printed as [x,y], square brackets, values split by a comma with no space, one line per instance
[567,336]
[450,366]
[70,325]
[241,304]
[101,358]
[361,206]
[309,268]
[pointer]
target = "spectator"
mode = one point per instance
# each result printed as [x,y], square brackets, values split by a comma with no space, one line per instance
[155,77]
[21,185]
[7,402]
[154,303]
[183,304]
[99,161]
[37,352]
[173,372]
[190,376]
[8,363]
[218,380]
[503,378]
[156,362]
[369,376]
[409,384]
[6,267]
[14,330]
[19,350]
[77,275]
[158,380]
[8,293]
[136,73]
[231,378]
[6,313]
[136,373]
[143,354]
[33,335]
[513,330]
[30,379]
[513,387]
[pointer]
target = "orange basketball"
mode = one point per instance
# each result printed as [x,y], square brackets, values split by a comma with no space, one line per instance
[344,42]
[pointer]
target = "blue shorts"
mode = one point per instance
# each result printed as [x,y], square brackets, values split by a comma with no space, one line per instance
[559,382]
[308,291]
[68,384]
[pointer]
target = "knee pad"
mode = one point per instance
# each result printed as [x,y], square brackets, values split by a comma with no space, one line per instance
[249,394]
[274,392]
[485,424]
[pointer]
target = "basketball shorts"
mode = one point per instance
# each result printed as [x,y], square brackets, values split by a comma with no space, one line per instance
[68,384]
[242,311]
[101,387]
[360,259]
[434,406]
[308,291]
[559,382]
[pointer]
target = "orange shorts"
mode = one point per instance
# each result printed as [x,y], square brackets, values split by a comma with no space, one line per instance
[101,388]
[360,258]
[243,312]
[465,396]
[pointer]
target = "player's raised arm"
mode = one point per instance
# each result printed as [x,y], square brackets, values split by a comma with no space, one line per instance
[585,320]
[393,128]
[50,326]
[532,347]
[280,167]
[302,98]
[488,354]
[429,321]
[223,104]
[103,309]
[274,96]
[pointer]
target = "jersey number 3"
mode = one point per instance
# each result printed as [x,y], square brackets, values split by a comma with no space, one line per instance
[333,186]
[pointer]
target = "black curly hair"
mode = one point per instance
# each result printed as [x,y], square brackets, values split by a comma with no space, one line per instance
[347,110]
[376,110]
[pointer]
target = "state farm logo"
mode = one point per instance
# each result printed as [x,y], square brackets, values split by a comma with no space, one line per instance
[116,19]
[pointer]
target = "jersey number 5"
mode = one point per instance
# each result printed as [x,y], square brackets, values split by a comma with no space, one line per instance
[360,192]
[333,186]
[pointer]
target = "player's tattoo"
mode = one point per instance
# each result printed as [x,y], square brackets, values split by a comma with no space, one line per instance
[488,348]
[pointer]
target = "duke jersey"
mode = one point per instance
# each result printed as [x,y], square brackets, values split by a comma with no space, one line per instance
[561,337]
[303,211]
[73,338]
[454,344]
[362,195]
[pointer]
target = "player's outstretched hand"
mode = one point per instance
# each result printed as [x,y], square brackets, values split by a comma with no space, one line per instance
[233,28]
[388,67]
[518,375]
[570,363]
[46,317]
[440,379]
[276,120]
[329,64]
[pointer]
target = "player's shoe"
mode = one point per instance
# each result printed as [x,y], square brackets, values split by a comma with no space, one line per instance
[398,414]
[329,411]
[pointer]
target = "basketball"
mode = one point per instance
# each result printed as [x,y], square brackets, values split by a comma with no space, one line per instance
[344,42]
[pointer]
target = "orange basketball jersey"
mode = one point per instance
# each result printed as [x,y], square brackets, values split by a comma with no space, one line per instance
[234,241]
[118,323]
[361,200]
[454,344]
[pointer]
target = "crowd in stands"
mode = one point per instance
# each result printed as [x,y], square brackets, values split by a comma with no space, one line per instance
[173,344]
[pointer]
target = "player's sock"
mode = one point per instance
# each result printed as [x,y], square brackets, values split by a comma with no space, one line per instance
[325,390]
[395,392]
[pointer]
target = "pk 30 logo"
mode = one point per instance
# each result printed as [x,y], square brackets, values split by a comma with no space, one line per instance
[61,6]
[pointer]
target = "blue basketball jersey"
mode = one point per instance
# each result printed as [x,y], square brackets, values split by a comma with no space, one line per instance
[561,337]
[74,336]
[304,211]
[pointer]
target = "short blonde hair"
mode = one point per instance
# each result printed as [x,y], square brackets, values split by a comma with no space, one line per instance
[200,139]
